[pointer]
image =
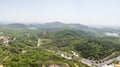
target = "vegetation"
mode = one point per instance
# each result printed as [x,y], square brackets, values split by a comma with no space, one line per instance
[23,51]
[86,47]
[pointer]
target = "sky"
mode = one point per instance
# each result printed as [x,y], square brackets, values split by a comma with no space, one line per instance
[87,12]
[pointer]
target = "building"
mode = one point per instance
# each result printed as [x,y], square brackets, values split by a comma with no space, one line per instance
[5,40]
[54,65]
[1,65]
[117,65]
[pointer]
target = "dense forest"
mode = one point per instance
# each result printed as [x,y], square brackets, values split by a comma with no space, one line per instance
[87,46]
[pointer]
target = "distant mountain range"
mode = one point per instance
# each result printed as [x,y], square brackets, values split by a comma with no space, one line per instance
[58,25]
[50,26]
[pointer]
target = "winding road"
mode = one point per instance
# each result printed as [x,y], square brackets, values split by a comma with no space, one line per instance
[90,62]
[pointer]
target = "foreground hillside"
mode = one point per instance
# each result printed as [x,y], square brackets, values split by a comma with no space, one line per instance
[37,57]
[22,50]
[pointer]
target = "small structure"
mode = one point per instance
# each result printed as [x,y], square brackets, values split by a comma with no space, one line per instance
[24,51]
[75,54]
[1,65]
[66,56]
[54,65]
[5,40]
[117,64]
[14,38]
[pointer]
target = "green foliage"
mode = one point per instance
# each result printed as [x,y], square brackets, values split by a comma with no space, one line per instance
[88,47]
[23,52]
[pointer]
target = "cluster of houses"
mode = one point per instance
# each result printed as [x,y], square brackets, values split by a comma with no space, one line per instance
[5,40]
[68,56]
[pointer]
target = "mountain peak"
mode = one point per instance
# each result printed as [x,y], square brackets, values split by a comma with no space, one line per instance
[57,22]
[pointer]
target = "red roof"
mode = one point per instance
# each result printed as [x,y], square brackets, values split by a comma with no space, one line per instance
[4,38]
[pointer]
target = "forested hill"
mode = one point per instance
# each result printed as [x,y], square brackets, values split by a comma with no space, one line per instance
[59,25]
[17,25]
[87,46]
[50,26]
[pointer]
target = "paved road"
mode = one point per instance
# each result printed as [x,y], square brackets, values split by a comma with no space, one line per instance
[86,61]
[90,62]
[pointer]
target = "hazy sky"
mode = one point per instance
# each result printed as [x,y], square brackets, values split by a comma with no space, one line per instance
[88,12]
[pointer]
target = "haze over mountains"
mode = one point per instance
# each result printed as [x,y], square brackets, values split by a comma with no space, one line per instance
[58,24]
